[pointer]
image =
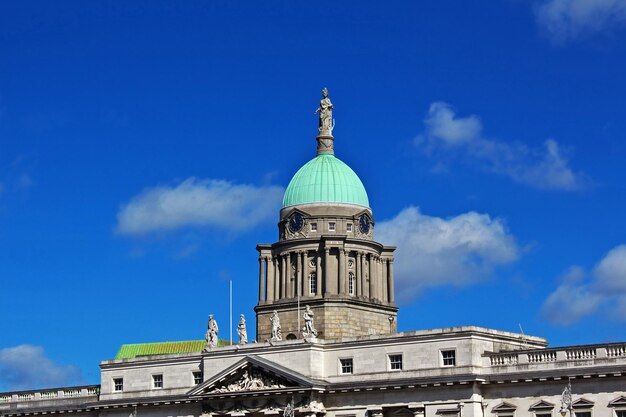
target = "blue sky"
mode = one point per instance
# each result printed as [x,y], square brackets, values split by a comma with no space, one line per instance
[489,136]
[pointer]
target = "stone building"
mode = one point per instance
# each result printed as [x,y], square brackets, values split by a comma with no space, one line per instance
[339,354]
[326,255]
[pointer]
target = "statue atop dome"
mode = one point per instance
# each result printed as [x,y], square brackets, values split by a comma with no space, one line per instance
[325,138]
[325,111]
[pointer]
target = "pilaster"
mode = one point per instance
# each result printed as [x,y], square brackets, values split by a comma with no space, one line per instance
[261,278]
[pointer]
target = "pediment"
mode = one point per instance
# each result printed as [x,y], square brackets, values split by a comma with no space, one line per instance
[541,405]
[250,375]
[504,407]
[618,402]
[582,403]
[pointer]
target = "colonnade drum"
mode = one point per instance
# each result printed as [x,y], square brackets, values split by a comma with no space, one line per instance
[331,264]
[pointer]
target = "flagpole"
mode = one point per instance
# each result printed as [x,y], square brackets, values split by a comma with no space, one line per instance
[231,311]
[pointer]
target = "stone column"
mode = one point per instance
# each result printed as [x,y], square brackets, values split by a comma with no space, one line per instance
[298,274]
[318,273]
[384,280]
[357,274]
[365,274]
[271,276]
[379,278]
[326,270]
[288,285]
[261,279]
[276,278]
[391,291]
[283,274]
[305,274]
[342,271]
[372,286]
[360,275]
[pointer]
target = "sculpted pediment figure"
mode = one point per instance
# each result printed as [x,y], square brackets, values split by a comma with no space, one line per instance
[250,374]
[250,380]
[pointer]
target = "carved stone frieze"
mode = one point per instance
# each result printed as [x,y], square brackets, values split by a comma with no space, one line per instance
[251,381]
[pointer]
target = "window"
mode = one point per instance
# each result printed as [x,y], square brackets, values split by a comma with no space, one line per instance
[346,365]
[395,362]
[314,227]
[331,226]
[197,377]
[582,413]
[543,415]
[448,358]
[351,283]
[313,283]
[118,384]
[157,381]
[620,413]
[349,227]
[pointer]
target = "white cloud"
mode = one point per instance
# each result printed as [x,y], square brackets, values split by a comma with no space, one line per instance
[442,123]
[569,19]
[434,251]
[571,300]
[194,202]
[544,168]
[581,294]
[610,273]
[27,367]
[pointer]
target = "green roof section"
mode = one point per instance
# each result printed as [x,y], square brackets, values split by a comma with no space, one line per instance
[128,351]
[325,179]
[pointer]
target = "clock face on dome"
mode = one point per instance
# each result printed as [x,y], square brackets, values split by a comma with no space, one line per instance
[296,222]
[365,223]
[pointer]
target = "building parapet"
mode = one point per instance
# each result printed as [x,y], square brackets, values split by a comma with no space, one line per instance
[583,355]
[49,397]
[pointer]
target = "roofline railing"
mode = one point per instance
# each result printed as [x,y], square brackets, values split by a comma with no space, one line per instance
[80,391]
[557,354]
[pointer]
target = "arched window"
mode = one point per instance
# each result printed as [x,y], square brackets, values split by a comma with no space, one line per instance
[351,283]
[312,283]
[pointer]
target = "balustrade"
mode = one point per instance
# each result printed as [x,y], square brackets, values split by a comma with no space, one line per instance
[547,356]
[504,359]
[77,392]
[616,351]
[583,353]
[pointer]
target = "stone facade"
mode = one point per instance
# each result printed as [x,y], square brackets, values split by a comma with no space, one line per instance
[353,293]
[491,374]
[335,318]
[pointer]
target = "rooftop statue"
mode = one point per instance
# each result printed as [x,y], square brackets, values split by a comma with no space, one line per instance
[242,332]
[211,333]
[276,332]
[325,110]
[309,327]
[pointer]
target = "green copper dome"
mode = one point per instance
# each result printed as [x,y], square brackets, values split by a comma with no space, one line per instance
[325,179]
